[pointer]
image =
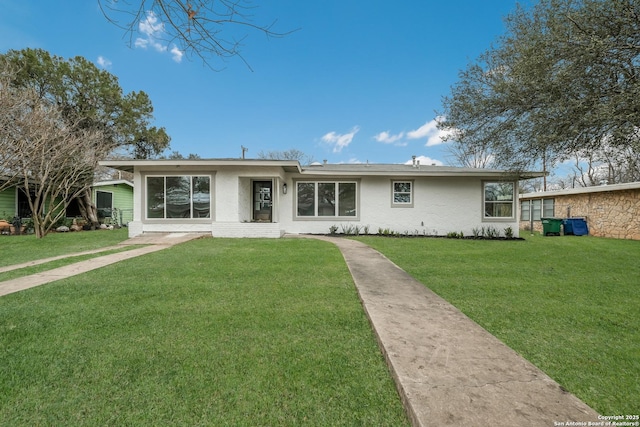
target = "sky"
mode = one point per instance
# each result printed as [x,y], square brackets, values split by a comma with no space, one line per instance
[357,81]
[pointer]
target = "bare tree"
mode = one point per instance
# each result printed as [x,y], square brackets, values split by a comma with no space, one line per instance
[609,165]
[291,154]
[205,28]
[470,155]
[43,154]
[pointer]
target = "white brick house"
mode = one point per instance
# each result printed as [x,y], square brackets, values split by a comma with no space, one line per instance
[268,198]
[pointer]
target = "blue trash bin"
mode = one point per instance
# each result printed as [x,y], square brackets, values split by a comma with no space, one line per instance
[575,226]
[567,227]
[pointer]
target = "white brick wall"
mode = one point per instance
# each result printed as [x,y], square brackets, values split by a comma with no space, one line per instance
[247,229]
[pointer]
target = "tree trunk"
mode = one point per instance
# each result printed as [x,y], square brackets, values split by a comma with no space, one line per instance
[38,227]
[88,209]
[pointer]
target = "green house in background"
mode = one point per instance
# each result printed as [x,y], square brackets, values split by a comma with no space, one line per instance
[114,201]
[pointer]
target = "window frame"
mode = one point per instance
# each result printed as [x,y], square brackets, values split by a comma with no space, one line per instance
[394,203]
[317,204]
[192,202]
[486,202]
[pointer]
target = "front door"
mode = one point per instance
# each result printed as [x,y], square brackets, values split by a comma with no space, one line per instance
[262,201]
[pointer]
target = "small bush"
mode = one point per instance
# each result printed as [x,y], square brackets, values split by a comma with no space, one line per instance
[492,232]
[508,233]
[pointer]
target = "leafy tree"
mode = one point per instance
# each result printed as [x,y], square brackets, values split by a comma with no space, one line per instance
[88,101]
[207,29]
[564,79]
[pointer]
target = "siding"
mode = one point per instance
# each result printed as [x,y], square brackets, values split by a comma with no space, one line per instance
[8,203]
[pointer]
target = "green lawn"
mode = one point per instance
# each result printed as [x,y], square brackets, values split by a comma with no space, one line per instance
[271,332]
[19,249]
[213,332]
[570,305]
[55,263]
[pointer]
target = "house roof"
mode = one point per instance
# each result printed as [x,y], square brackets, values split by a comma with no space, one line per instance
[582,190]
[113,182]
[342,169]
[129,165]
[411,170]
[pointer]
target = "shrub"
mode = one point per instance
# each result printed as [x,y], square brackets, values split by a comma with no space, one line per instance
[492,232]
[508,233]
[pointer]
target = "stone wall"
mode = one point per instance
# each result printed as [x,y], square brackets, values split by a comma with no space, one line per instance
[614,214]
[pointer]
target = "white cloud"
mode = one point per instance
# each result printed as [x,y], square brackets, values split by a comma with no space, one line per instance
[150,26]
[430,132]
[339,141]
[425,161]
[423,131]
[386,138]
[153,33]
[143,43]
[176,54]
[103,62]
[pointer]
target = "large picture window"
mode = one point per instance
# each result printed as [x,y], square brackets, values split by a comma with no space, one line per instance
[498,200]
[326,199]
[178,197]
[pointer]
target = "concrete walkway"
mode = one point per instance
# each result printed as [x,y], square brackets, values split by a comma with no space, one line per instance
[449,371]
[152,242]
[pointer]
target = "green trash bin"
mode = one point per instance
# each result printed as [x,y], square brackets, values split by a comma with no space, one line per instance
[551,226]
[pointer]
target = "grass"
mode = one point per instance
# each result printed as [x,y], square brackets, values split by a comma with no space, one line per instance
[55,263]
[212,332]
[19,249]
[570,305]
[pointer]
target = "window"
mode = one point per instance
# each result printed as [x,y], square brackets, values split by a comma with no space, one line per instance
[326,199]
[498,199]
[402,193]
[525,210]
[548,208]
[538,208]
[528,208]
[178,197]
[535,209]
[104,203]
